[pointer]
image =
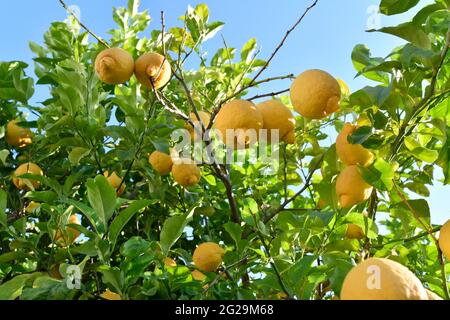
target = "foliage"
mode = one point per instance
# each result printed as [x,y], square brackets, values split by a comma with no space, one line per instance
[279,240]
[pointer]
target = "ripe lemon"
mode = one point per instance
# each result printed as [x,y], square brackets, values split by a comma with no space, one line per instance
[109,295]
[276,116]
[17,136]
[70,235]
[242,120]
[161,162]
[382,279]
[114,66]
[186,172]
[354,231]
[432,295]
[205,117]
[208,256]
[315,94]
[25,168]
[115,181]
[168,262]
[351,154]
[444,239]
[155,67]
[351,187]
[197,275]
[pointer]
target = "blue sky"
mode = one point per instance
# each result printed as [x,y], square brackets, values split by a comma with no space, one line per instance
[324,40]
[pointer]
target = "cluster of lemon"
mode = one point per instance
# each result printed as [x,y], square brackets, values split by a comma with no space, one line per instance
[116,66]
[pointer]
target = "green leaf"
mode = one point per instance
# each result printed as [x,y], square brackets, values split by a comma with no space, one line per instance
[113,277]
[172,230]
[235,232]
[409,32]
[3,155]
[391,7]
[248,49]
[123,217]
[47,288]
[419,151]
[444,157]
[77,154]
[360,220]
[361,58]
[202,12]
[42,196]
[14,256]
[102,198]
[380,175]
[299,270]
[134,247]
[3,204]
[425,12]
[89,213]
[387,170]
[12,289]
[212,29]
[360,135]
[420,207]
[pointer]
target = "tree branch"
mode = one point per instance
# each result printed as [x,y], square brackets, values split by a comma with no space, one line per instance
[100,40]
[305,187]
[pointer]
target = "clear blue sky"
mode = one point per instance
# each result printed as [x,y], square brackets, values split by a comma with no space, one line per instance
[324,40]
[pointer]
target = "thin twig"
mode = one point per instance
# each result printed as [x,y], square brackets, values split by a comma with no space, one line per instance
[100,40]
[280,45]
[271,94]
[305,187]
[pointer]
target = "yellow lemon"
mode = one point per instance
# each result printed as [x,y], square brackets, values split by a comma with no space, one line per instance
[115,181]
[351,154]
[315,94]
[432,295]
[186,172]
[444,239]
[276,116]
[208,256]
[382,279]
[242,121]
[114,66]
[351,188]
[161,162]
[109,295]
[354,231]
[152,70]
[27,168]
[17,136]
[168,262]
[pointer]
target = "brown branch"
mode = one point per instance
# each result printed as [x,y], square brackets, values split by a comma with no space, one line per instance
[280,45]
[271,94]
[305,187]
[100,40]
[413,238]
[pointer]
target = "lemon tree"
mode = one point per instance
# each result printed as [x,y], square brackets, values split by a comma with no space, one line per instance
[93,179]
